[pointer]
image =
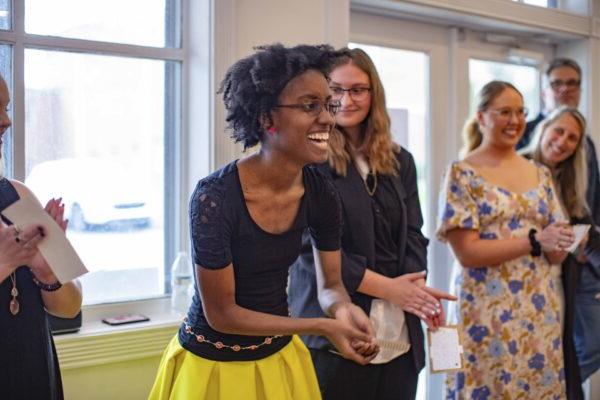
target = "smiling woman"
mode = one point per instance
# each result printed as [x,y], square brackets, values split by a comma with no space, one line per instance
[498,212]
[246,223]
[559,143]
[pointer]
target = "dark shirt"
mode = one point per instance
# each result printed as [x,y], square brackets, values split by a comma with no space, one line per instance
[528,133]
[223,233]
[29,364]
[364,232]
[386,219]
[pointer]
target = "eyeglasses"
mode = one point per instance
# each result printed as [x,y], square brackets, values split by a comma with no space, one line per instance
[356,93]
[315,108]
[570,84]
[507,113]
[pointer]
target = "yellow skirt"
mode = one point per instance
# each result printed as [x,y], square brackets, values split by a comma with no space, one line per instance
[286,375]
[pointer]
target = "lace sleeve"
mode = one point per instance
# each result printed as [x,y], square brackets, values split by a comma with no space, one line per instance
[210,226]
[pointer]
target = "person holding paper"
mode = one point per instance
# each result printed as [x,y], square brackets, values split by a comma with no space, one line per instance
[28,289]
[502,217]
[559,143]
[246,223]
[384,252]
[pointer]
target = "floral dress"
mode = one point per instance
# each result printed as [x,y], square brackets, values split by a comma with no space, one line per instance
[508,314]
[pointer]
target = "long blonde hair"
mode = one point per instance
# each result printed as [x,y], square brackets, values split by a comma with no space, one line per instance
[570,174]
[378,146]
[472,135]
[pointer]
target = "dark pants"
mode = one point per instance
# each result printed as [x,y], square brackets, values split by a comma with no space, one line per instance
[341,379]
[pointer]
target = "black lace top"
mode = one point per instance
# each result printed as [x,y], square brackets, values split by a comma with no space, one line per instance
[223,232]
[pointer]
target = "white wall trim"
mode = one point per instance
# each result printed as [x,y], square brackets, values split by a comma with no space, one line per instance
[224,50]
[488,14]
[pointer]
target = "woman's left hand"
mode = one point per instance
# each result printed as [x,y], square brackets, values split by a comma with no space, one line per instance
[38,265]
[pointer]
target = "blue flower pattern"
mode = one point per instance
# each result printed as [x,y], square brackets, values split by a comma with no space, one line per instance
[508,313]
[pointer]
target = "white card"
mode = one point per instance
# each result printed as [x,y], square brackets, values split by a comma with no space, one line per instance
[55,247]
[445,350]
[579,231]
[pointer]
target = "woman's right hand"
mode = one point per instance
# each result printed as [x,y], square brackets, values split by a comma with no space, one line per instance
[18,246]
[405,292]
[556,237]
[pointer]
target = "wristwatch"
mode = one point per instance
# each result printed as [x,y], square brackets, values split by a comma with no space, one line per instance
[536,247]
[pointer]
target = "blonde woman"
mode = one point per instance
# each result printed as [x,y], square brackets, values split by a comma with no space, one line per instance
[559,143]
[505,225]
[384,251]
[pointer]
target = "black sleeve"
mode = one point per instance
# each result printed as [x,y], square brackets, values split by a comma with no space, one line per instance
[354,267]
[416,243]
[324,211]
[592,250]
[210,225]
[593,194]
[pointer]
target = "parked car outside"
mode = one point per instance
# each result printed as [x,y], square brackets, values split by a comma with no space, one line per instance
[98,194]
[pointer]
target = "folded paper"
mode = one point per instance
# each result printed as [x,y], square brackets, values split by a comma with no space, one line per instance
[55,247]
[445,349]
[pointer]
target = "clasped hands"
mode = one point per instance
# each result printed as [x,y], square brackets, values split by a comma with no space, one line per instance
[556,237]
[351,333]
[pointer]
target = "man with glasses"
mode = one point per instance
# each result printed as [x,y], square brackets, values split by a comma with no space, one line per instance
[562,87]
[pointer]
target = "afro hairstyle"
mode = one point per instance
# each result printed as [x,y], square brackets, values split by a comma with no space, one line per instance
[252,85]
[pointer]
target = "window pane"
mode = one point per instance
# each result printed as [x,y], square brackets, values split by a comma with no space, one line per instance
[6,72]
[524,78]
[95,136]
[405,79]
[541,3]
[5,15]
[140,22]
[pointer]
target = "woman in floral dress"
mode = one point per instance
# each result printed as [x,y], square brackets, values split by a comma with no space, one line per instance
[504,223]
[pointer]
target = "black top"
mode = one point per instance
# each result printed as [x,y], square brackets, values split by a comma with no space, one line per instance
[29,365]
[223,232]
[363,228]
[386,219]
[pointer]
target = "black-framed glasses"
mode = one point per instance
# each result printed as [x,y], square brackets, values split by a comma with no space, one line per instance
[356,93]
[570,84]
[315,107]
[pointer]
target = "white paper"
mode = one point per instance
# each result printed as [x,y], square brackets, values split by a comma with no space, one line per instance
[579,231]
[445,350]
[55,247]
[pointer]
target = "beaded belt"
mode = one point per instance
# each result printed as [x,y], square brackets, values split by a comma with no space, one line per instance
[220,345]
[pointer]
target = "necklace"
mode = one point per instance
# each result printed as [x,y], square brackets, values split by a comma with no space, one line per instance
[370,182]
[14,303]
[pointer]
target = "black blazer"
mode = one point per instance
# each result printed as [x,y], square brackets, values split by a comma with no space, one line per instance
[358,249]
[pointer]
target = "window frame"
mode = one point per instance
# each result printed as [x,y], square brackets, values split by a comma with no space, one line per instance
[177,160]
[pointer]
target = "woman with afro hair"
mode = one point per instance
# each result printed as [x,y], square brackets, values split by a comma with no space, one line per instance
[247,219]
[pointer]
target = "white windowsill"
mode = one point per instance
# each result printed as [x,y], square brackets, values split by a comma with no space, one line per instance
[97,343]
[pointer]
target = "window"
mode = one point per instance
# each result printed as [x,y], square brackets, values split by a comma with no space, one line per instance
[539,3]
[97,122]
